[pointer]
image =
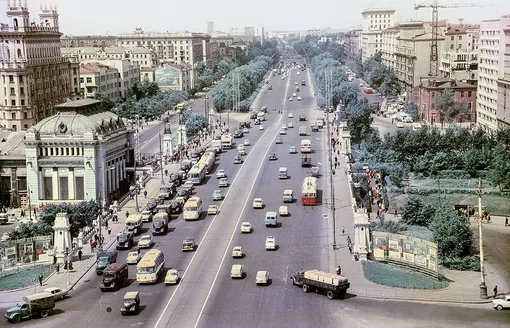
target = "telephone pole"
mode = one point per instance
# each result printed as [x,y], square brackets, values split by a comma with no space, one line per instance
[483,286]
[328,75]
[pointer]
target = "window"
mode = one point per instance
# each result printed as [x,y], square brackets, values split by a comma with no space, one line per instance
[460,37]
[469,93]
[452,38]
[12,92]
[25,115]
[13,102]
[13,115]
[14,128]
[22,102]
[22,91]
[89,80]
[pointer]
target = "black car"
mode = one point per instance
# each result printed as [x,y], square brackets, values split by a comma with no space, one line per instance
[238,160]
[185,193]
[176,207]
[253,116]
[272,156]
[152,203]
[238,134]
[176,179]
[125,240]
[302,117]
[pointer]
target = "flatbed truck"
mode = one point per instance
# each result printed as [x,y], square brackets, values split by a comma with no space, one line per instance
[335,286]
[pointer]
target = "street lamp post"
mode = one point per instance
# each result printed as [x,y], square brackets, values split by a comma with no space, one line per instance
[483,286]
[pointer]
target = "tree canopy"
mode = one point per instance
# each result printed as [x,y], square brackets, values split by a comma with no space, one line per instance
[80,215]
[195,123]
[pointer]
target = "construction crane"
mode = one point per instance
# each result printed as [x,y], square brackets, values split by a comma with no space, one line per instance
[434,62]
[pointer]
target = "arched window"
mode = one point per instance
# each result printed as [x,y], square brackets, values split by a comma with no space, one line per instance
[15,21]
[19,53]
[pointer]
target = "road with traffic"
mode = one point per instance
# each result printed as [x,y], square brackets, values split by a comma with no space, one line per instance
[206,295]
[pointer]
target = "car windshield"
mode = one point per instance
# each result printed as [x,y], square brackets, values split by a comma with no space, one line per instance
[145,238]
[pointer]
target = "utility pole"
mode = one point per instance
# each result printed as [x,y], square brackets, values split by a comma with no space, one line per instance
[328,74]
[161,158]
[483,286]
[134,166]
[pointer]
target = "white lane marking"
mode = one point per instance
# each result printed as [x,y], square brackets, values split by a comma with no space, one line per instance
[207,232]
[235,229]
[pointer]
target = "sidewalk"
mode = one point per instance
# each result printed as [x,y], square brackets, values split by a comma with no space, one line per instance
[463,286]
[86,266]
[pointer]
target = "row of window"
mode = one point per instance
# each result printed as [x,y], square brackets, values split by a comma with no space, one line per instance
[14,116]
[60,151]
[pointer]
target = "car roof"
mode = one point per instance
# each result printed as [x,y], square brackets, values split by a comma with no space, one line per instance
[246,222]
[131,295]
[171,270]
[50,289]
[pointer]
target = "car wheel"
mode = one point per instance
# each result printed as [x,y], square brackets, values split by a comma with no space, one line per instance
[306,289]
[16,319]
[499,307]
[44,313]
[330,294]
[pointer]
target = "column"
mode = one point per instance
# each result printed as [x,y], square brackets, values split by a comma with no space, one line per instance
[54,184]
[70,184]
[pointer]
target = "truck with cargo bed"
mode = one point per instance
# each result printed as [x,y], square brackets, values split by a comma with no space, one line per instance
[333,285]
[302,130]
[30,306]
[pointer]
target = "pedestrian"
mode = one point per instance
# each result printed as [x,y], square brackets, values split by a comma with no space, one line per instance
[506,221]
[350,248]
[495,290]
[57,267]
[109,231]
[80,253]
[348,240]
[339,270]
[96,237]
[145,193]
[35,212]
[102,240]
[40,278]
[22,213]
[343,231]
[106,223]
[336,164]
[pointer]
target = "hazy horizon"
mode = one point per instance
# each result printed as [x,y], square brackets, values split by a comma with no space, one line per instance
[95,17]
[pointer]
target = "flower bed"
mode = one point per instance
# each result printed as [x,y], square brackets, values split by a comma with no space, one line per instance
[388,275]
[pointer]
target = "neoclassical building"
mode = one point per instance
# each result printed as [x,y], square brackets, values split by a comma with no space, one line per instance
[78,154]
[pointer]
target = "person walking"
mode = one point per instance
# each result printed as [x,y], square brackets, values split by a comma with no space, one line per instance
[109,231]
[350,248]
[506,221]
[80,253]
[145,193]
[495,290]
[40,279]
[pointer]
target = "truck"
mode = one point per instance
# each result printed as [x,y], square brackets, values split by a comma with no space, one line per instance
[306,160]
[115,276]
[335,286]
[40,304]
[315,128]
[320,123]
[216,144]
[303,82]
[160,223]
[104,259]
[125,240]
[226,141]
[302,130]
[134,223]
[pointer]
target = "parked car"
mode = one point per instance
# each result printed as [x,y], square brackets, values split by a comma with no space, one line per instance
[58,293]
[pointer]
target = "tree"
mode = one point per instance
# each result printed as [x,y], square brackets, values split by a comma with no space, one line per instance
[390,87]
[80,215]
[144,89]
[499,169]
[195,123]
[347,92]
[411,109]
[444,104]
[451,232]
[30,229]
[359,120]
[417,213]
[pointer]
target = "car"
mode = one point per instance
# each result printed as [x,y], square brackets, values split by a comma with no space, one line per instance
[238,160]
[238,134]
[217,195]
[146,216]
[283,132]
[246,142]
[240,146]
[290,99]
[223,182]
[237,251]
[270,243]
[502,303]
[245,130]
[262,278]
[172,277]
[295,83]
[290,125]
[188,244]
[246,227]
[272,156]
[261,127]
[258,203]
[252,116]
[284,127]
[237,271]
[302,117]
[58,293]
[241,152]
[256,122]
[278,140]
[212,210]
[292,150]
[270,87]
[400,125]
[131,303]
[283,210]
[145,241]
[290,115]
[299,98]
[264,108]
[133,257]
[221,174]
[294,95]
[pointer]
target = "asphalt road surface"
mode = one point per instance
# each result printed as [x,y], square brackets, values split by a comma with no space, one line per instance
[206,295]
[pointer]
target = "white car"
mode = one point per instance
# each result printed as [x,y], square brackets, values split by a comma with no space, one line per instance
[240,146]
[258,203]
[283,132]
[212,210]
[245,130]
[58,293]
[270,243]
[133,257]
[299,98]
[145,241]
[246,227]
[290,99]
[502,303]
[172,277]
[284,127]
[283,210]
[290,115]
[297,73]
[290,125]
[246,142]
[400,125]
[237,252]
[221,174]
[262,278]
[295,83]
[261,127]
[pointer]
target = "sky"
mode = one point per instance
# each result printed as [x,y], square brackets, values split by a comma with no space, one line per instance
[111,17]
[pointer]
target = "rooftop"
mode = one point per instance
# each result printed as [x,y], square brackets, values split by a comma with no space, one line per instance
[11,143]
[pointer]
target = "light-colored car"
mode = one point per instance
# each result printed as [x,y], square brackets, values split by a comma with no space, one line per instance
[245,130]
[241,152]
[283,132]
[299,98]
[295,83]
[278,140]
[294,95]
[145,241]
[262,278]
[240,146]
[221,174]
[290,125]
[400,125]
[133,257]
[58,293]
[290,115]
[502,303]
[217,195]
[246,227]
[246,142]
[290,98]
[237,251]
[172,277]
[258,203]
[237,271]
[261,127]
[284,127]
[146,216]
[297,74]
[283,210]
[270,243]
[292,150]
[212,210]
[223,182]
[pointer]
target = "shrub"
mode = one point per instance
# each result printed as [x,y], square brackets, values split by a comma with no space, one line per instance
[387,226]
[466,263]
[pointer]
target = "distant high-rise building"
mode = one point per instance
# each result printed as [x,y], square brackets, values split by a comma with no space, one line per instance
[374,22]
[210,27]
[249,31]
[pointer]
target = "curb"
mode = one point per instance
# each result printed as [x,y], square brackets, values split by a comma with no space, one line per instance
[420,300]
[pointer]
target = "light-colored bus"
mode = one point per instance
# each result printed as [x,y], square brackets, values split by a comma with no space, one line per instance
[197,173]
[192,209]
[309,191]
[150,267]
[179,107]
[208,159]
[226,141]
[306,146]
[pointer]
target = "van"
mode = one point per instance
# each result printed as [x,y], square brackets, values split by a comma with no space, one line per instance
[282,173]
[271,219]
[114,277]
[134,224]
[160,224]
[237,271]
[288,196]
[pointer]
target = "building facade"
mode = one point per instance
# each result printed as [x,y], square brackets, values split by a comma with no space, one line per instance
[462,92]
[175,77]
[99,81]
[503,110]
[389,47]
[353,41]
[34,76]
[77,155]
[374,22]
[13,171]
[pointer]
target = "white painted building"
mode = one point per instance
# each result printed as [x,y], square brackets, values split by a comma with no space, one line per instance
[503,110]
[375,21]
[98,80]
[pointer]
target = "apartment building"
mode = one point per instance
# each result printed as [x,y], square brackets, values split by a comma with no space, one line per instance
[374,22]
[459,59]
[175,77]
[34,76]
[353,41]
[492,59]
[68,41]
[389,47]
[98,80]
[503,110]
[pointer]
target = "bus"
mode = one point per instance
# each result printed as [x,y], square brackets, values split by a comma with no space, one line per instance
[150,267]
[226,141]
[306,146]
[179,107]
[208,159]
[192,209]
[309,191]
[197,173]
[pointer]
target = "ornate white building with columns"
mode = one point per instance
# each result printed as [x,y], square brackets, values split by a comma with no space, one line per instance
[77,155]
